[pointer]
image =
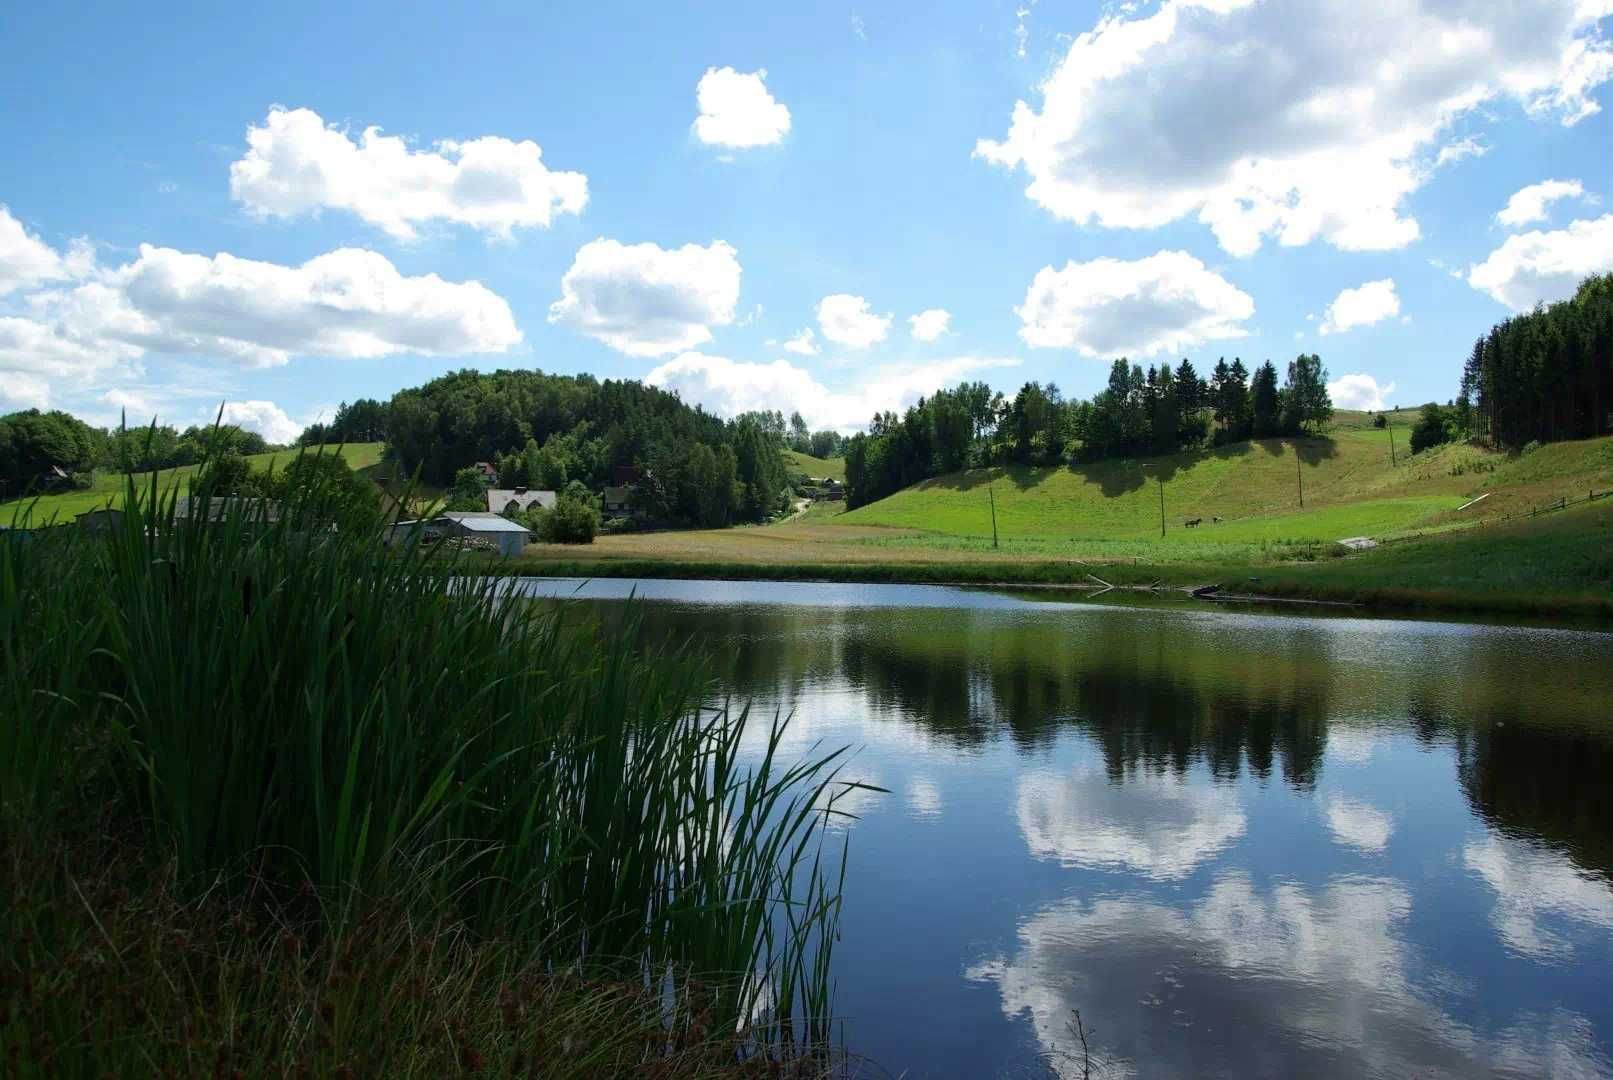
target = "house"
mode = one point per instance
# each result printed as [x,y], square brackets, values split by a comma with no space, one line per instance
[487,472]
[618,501]
[506,500]
[493,531]
[625,475]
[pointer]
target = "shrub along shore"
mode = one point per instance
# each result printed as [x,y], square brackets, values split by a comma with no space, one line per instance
[276,800]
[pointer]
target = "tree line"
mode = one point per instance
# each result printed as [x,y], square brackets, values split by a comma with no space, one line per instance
[48,451]
[1154,410]
[1542,376]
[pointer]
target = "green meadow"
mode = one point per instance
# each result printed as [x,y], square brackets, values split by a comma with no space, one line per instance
[797,462]
[108,487]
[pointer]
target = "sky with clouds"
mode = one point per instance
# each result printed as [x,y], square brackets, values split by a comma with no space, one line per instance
[830,209]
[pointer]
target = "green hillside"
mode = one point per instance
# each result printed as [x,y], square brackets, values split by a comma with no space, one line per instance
[108,488]
[798,462]
[1350,487]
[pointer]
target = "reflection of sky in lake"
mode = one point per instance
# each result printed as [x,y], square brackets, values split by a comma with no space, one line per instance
[1238,844]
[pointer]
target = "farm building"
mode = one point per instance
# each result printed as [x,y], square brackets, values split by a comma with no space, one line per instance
[221,508]
[493,530]
[106,519]
[505,500]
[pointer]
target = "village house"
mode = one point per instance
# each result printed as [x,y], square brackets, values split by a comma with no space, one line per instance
[618,501]
[511,500]
[486,472]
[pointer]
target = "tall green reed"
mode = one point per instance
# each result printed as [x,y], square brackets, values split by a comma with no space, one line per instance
[271,687]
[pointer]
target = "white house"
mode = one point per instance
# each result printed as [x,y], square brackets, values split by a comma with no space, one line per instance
[504,500]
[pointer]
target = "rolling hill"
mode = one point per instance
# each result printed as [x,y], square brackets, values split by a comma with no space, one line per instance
[1348,482]
[109,487]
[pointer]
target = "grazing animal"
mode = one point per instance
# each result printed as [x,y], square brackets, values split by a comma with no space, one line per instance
[1216,520]
[1194,521]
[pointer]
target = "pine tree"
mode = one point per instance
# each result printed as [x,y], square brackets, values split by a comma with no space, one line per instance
[1265,403]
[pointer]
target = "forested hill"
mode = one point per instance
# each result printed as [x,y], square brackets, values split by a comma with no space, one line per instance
[550,431]
[1152,411]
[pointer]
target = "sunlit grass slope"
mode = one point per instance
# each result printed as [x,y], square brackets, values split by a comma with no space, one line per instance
[1350,488]
[109,487]
[814,466]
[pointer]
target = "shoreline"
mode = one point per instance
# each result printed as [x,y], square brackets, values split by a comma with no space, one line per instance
[1223,585]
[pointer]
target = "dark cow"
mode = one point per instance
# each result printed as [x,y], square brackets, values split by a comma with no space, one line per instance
[1194,521]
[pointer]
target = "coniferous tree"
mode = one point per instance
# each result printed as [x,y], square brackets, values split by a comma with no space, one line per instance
[1265,404]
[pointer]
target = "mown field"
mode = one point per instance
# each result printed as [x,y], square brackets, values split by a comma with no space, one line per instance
[109,487]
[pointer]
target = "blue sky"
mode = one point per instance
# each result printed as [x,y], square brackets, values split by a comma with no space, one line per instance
[1205,178]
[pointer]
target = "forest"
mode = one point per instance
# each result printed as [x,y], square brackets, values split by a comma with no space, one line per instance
[1155,410]
[551,431]
[1545,375]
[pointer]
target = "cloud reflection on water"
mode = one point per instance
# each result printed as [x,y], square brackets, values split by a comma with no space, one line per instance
[1156,825]
[1281,980]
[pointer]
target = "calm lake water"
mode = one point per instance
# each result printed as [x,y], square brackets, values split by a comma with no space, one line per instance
[1239,844]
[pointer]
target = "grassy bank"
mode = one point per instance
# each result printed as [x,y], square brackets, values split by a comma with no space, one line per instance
[277,800]
[1555,564]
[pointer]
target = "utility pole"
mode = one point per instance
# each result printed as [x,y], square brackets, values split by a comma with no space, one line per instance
[1299,471]
[1161,481]
[1392,460]
[993,497]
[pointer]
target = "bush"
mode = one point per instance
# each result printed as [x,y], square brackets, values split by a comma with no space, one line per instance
[1380,421]
[1433,428]
[572,521]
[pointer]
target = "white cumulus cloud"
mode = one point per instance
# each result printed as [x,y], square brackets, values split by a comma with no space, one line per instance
[264,417]
[1299,120]
[801,344]
[645,300]
[730,387]
[297,164]
[27,261]
[737,111]
[847,320]
[929,325]
[1359,391]
[1167,302]
[348,303]
[1530,204]
[1363,305]
[1540,267]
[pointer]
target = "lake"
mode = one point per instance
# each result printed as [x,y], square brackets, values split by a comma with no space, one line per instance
[1239,844]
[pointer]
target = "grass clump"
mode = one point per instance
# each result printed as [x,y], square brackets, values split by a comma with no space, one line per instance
[293,728]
